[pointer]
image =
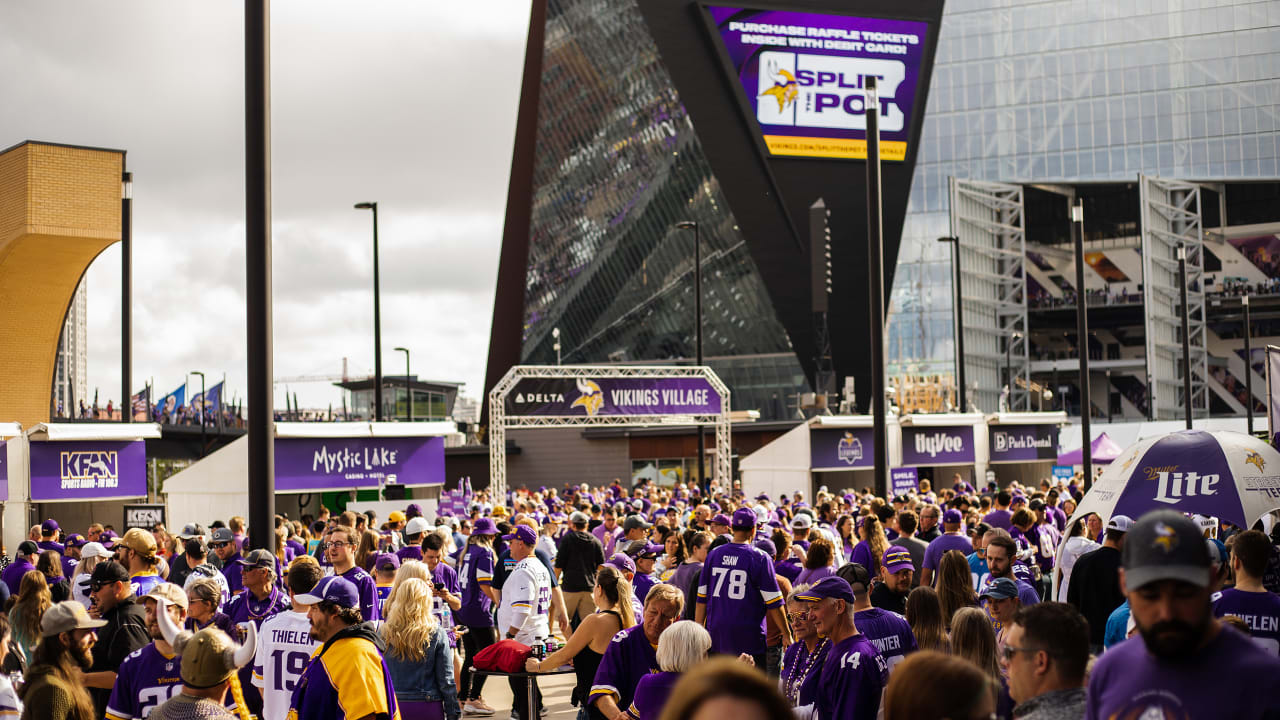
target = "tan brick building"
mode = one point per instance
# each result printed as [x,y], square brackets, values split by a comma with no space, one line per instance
[60,206]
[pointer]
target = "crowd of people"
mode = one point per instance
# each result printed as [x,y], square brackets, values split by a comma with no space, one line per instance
[669,604]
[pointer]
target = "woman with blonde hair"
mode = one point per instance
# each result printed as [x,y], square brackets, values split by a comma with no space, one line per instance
[955,586]
[586,647]
[418,656]
[90,555]
[409,569]
[872,545]
[29,606]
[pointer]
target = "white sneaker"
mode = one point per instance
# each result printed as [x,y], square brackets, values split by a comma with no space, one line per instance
[471,709]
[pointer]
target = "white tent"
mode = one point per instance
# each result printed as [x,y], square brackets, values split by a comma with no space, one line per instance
[783,465]
[216,487]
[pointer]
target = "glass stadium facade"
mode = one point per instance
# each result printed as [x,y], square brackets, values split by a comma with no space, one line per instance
[1053,92]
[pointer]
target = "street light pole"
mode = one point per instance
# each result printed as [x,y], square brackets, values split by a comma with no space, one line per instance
[1082,342]
[1186,335]
[1248,365]
[126,298]
[875,286]
[202,403]
[555,335]
[377,317]
[697,312]
[957,310]
[408,382]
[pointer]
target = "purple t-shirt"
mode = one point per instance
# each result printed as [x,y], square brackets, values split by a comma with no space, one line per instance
[642,584]
[651,695]
[1231,677]
[738,585]
[801,671]
[1259,610]
[628,658]
[789,569]
[12,575]
[863,556]
[853,676]
[889,632]
[475,573]
[410,552]
[368,590]
[608,538]
[999,519]
[941,544]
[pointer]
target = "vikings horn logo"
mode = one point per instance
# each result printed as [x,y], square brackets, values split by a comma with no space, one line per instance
[784,90]
[1166,539]
[1253,458]
[591,399]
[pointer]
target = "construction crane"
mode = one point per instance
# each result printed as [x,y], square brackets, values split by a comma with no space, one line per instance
[344,377]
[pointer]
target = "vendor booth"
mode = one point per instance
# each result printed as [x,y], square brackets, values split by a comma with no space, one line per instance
[940,445]
[311,458]
[91,467]
[1023,446]
[832,450]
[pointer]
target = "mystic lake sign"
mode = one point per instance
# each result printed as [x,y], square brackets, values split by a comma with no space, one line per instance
[319,464]
[611,396]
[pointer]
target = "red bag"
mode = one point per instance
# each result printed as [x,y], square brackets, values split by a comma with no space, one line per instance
[506,656]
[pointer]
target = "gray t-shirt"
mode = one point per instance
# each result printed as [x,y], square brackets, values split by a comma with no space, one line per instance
[916,547]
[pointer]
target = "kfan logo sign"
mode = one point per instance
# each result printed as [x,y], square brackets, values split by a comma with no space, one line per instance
[89,469]
[825,91]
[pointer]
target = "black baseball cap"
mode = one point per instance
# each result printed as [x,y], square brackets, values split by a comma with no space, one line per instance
[855,574]
[1164,545]
[107,572]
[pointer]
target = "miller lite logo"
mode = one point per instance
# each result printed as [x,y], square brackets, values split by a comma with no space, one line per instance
[826,91]
[1172,485]
[89,469]
[849,449]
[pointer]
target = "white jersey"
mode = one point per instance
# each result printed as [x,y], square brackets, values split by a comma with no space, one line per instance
[80,593]
[527,589]
[284,647]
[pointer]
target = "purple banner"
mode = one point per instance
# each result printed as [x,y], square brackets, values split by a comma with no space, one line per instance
[937,445]
[1023,443]
[88,470]
[318,464]
[803,78]
[841,449]
[903,480]
[607,397]
[4,472]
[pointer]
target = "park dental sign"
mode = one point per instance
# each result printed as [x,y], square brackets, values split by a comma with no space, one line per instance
[1023,443]
[937,445]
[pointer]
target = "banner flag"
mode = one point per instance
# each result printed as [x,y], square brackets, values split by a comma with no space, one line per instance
[140,401]
[213,395]
[167,407]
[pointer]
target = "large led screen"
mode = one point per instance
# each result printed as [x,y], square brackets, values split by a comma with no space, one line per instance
[802,74]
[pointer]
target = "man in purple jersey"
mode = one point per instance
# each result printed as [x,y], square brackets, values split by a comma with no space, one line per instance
[475,577]
[1184,663]
[261,599]
[1000,517]
[632,654]
[608,531]
[887,630]
[223,545]
[951,539]
[736,589]
[340,548]
[854,674]
[1249,600]
[413,532]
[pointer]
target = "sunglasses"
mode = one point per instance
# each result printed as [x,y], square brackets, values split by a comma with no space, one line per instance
[218,545]
[95,587]
[1009,651]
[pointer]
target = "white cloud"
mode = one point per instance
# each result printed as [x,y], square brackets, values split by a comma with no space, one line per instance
[407,103]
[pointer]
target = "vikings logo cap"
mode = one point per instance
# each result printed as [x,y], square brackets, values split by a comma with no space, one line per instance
[1164,545]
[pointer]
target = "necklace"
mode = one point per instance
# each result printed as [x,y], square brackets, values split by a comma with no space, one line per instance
[796,679]
[264,608]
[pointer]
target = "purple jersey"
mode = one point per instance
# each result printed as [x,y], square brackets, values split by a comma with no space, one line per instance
[384,591]
[1231,677]
[1259,610]
[368,592]
[410,552]
[643,584]
[789,569]
[999,519]
[143,582]
[941,544]
[246,607]
[853,676]
[628,658]
[233,573]
[475,574]
[146,679]
[801,671]
[738,585]
[652,693]
[889,632]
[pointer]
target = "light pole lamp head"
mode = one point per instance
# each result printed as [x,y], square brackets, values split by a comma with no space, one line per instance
[687,225]
[196,372]
[366,206]
[400,349]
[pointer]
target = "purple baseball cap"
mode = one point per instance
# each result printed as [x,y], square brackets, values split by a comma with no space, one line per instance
[75,540]
[1017,499]
[831,586]
[743,519]
[622,562]
[952,516]
[722,519]
[414,510]
[650,551]
[48,527]
[524,534]
[897,559]
[484,526]
[768,547]
[335,589]
[386,562]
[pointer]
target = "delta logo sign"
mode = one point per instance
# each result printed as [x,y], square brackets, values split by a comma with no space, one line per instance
[804,76]
[85,469]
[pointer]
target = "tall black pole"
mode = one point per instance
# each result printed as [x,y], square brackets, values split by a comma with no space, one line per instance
[1248,365]
[697,337]
[126,297]
[957,310]
[1008,372]
[377,316]
[1186,334]
[1082,341]
[875,286]
[257,122]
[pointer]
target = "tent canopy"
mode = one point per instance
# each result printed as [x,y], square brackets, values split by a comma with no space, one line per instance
[1104,451]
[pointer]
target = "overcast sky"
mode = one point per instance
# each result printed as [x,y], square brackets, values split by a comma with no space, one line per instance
[411,104]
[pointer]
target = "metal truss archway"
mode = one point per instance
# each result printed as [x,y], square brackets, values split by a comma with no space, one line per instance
[500,419]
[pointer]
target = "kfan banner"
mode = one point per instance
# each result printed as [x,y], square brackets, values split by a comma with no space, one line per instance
[841,448]
[320,464]
[937,445]
[88,470]
[612,397]
[1023,443]
[803,75]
